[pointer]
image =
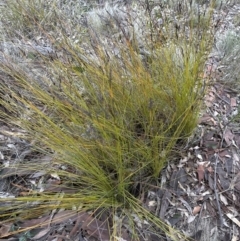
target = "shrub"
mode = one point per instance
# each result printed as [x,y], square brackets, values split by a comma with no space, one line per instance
[228,49]
[110,120]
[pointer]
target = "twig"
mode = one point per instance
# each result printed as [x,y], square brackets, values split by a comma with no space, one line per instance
[158,206]
[223,132]
[227,102]
[216,193]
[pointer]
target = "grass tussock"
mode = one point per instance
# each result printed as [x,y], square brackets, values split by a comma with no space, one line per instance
[110,120]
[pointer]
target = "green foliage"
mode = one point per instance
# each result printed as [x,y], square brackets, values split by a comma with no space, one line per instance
[111,121]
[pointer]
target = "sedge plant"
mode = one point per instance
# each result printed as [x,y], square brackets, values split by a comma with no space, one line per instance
[110,122]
